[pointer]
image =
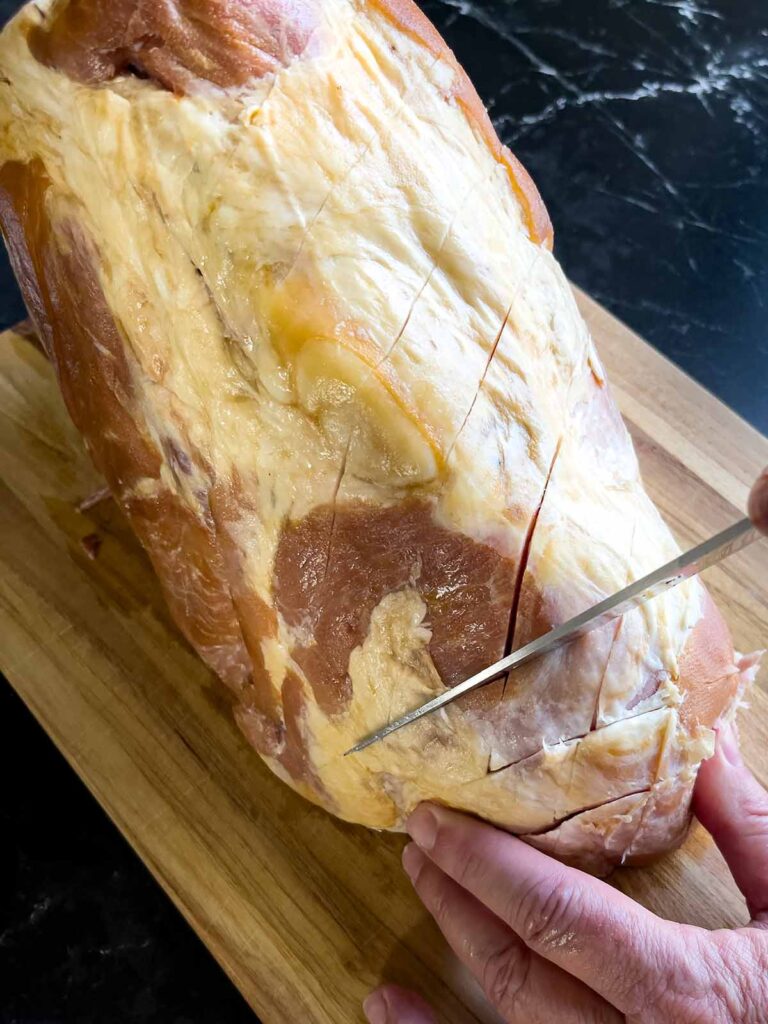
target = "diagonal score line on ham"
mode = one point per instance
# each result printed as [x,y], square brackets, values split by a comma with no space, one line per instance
[494,347]
[435,264]
[376,134]
[523,565]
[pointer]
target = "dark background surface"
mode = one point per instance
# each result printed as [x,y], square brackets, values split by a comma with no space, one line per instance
[645,124]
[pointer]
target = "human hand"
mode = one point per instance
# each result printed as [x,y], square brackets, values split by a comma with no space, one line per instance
[758,502]
[553,945]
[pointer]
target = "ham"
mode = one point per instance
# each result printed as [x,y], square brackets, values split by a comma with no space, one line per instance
[303,308]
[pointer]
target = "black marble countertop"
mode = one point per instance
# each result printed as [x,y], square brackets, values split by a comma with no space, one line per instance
[645,125]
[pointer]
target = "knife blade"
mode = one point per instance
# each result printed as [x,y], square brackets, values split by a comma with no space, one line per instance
[692,562]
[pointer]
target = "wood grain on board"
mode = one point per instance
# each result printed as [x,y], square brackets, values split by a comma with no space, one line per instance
[304,912]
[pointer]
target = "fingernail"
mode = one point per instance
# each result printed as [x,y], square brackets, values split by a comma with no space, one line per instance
[729,745]
[375,1008]
[413,861]
[422,827]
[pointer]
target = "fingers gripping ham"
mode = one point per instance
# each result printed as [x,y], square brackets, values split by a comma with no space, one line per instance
[303,308]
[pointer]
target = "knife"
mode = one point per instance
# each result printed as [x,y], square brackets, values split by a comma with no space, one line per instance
[712,551]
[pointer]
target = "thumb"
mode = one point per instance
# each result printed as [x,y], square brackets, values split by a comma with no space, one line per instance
[733,806]
[391,1004]
[758,502]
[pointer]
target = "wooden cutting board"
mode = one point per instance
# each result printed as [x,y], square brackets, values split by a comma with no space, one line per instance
[305,913]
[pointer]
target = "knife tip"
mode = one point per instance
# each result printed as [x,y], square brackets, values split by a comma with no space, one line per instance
[358,747]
